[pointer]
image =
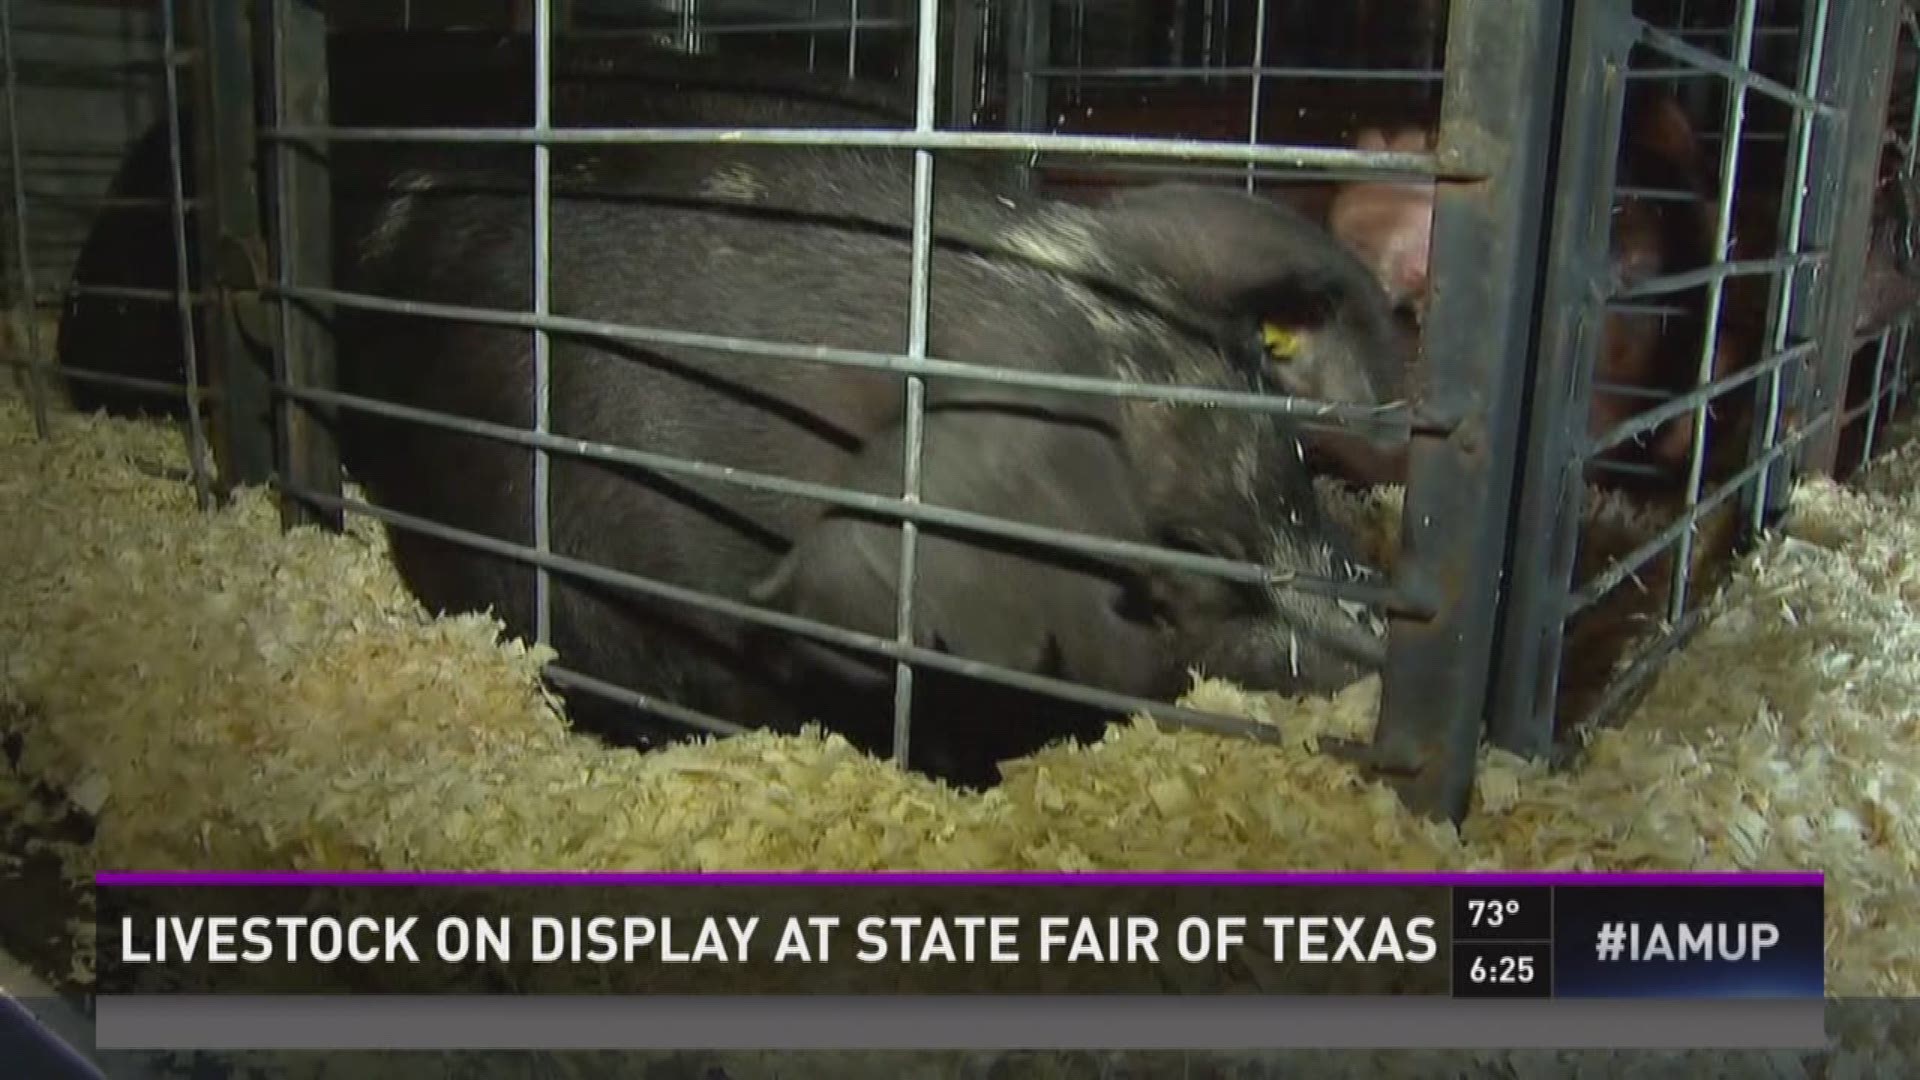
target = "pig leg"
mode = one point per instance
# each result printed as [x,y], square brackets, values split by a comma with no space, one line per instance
[979,597]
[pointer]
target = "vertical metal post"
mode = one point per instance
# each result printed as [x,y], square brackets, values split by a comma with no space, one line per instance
[920,292]
[542,346]
[1870,29]
[185,301]
[1897,387]
[1908,162]
[1208,53]
[690,41]
[1553,488]
[24,301]
[228,231]
[1029,46]
[1732,134]
[1789,311]
[1258,83]
[308,453]
[853,39]
[1503,73]
[1875,392]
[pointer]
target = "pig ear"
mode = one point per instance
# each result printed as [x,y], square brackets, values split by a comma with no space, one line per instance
[1226,252]
[980,597]
[1371,139]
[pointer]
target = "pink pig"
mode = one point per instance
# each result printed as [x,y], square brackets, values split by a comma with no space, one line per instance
[1388,223]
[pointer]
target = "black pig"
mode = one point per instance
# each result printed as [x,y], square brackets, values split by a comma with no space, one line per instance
[1169,285]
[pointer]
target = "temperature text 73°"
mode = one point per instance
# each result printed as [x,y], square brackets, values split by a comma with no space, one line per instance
[1491,913]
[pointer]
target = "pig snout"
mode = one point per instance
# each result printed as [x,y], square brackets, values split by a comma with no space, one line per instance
[1272,637]
[1323,656]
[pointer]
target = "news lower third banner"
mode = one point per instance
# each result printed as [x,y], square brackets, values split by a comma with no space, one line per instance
[896,961]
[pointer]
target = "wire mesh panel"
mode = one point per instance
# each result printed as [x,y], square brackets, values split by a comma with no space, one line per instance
[965,376]
[1363,90]
[1698,282]
[1270,575]
[81,79]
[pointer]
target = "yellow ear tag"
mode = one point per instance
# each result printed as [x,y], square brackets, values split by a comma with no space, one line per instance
[1282,344]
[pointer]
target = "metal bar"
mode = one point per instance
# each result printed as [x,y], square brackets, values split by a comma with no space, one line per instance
[1734,72]
[157,387]
[853,38]
[1023,142]
[1714,273]
[1250,71]
[1868,337]
[1628,685]
[1912,146]
[103,74]
[1623,390]
[833,635]
[308,455]
[1253,100]
[689,35]
[1786,313]
[109,153]
[1029,53]
[813,38]
[1552,495]
[809,25]
[1692,400]
[567,678]
[1897,388]
[1681,579]
[1228,174]
[1628,565]
[1504,69]
[1629,307]
[919,298]
[1868,84]
[197,449]
[1873,399]
[1863,410]
[101,202]
[23,302]
[1654,194]
[1304,410]
[920,513]
[542,304]
[124,292]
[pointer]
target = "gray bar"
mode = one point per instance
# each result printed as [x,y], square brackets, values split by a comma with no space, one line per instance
[401,1022]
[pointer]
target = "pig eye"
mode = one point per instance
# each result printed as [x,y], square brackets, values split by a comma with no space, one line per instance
[1281,344]
[1137,603]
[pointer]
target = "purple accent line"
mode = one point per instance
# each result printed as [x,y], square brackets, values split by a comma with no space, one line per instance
[111,879]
